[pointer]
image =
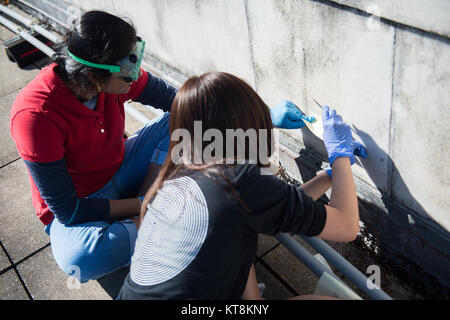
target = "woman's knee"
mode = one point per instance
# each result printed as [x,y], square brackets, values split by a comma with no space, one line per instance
[95,251]
[74,263]
[78,260]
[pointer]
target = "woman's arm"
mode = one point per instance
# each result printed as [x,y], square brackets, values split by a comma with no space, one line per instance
[317,186]
[274,206]
[56,187]
[342,212]
[124,208]
[127,208]
[156,93]
[342,222]
[342,216]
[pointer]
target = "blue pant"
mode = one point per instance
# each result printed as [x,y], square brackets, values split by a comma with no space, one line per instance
[93,249]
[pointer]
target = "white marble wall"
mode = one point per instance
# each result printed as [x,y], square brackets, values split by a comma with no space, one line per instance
[388,77]
[391,83]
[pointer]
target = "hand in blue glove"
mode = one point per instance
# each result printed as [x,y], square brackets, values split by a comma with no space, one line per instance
[358,150]
[286,115]
[337,136]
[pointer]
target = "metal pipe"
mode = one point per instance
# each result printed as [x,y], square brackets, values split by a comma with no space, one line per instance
[307,258]
[300,252]
[27,36]
[347,269]
[29,23]
[60,10]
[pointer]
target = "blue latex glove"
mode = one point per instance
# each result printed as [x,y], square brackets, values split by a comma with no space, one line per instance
[328,171]
[286,115]
[358,150]
[337,136]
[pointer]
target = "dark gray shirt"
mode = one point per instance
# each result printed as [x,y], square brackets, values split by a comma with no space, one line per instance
[198,239]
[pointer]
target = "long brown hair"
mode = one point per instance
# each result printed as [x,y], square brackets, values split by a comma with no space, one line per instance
[220,101]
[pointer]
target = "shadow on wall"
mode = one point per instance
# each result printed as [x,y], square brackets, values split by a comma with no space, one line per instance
[308,165]
[407,202]
[408,237]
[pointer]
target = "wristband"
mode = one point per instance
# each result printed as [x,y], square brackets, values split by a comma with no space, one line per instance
[141,198]
[328,171]
[342,154]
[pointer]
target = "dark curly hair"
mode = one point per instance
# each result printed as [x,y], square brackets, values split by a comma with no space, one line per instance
[98,37]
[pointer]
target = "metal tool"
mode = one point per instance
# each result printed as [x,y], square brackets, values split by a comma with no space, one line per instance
[320,106]
[310,119]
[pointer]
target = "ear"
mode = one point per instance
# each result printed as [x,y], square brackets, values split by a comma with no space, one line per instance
[92,79]
[95,83]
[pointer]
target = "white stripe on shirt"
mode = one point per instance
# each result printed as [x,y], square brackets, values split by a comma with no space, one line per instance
[171,234]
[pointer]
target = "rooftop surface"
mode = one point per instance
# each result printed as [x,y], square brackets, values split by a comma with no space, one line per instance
[29,271]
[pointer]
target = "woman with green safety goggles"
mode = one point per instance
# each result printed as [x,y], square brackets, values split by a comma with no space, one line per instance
[68,125]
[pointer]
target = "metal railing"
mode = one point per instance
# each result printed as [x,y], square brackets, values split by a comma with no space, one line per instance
[26,35]
[334,258]
[31,24]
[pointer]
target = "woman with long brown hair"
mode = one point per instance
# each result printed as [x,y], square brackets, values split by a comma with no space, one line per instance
[202,215]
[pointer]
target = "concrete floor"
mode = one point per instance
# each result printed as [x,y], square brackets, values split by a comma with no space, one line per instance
[27,267]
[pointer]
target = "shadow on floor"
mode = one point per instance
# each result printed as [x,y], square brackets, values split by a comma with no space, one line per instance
[112,282]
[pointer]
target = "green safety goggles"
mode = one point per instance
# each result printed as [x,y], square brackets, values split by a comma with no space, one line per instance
[127,69]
